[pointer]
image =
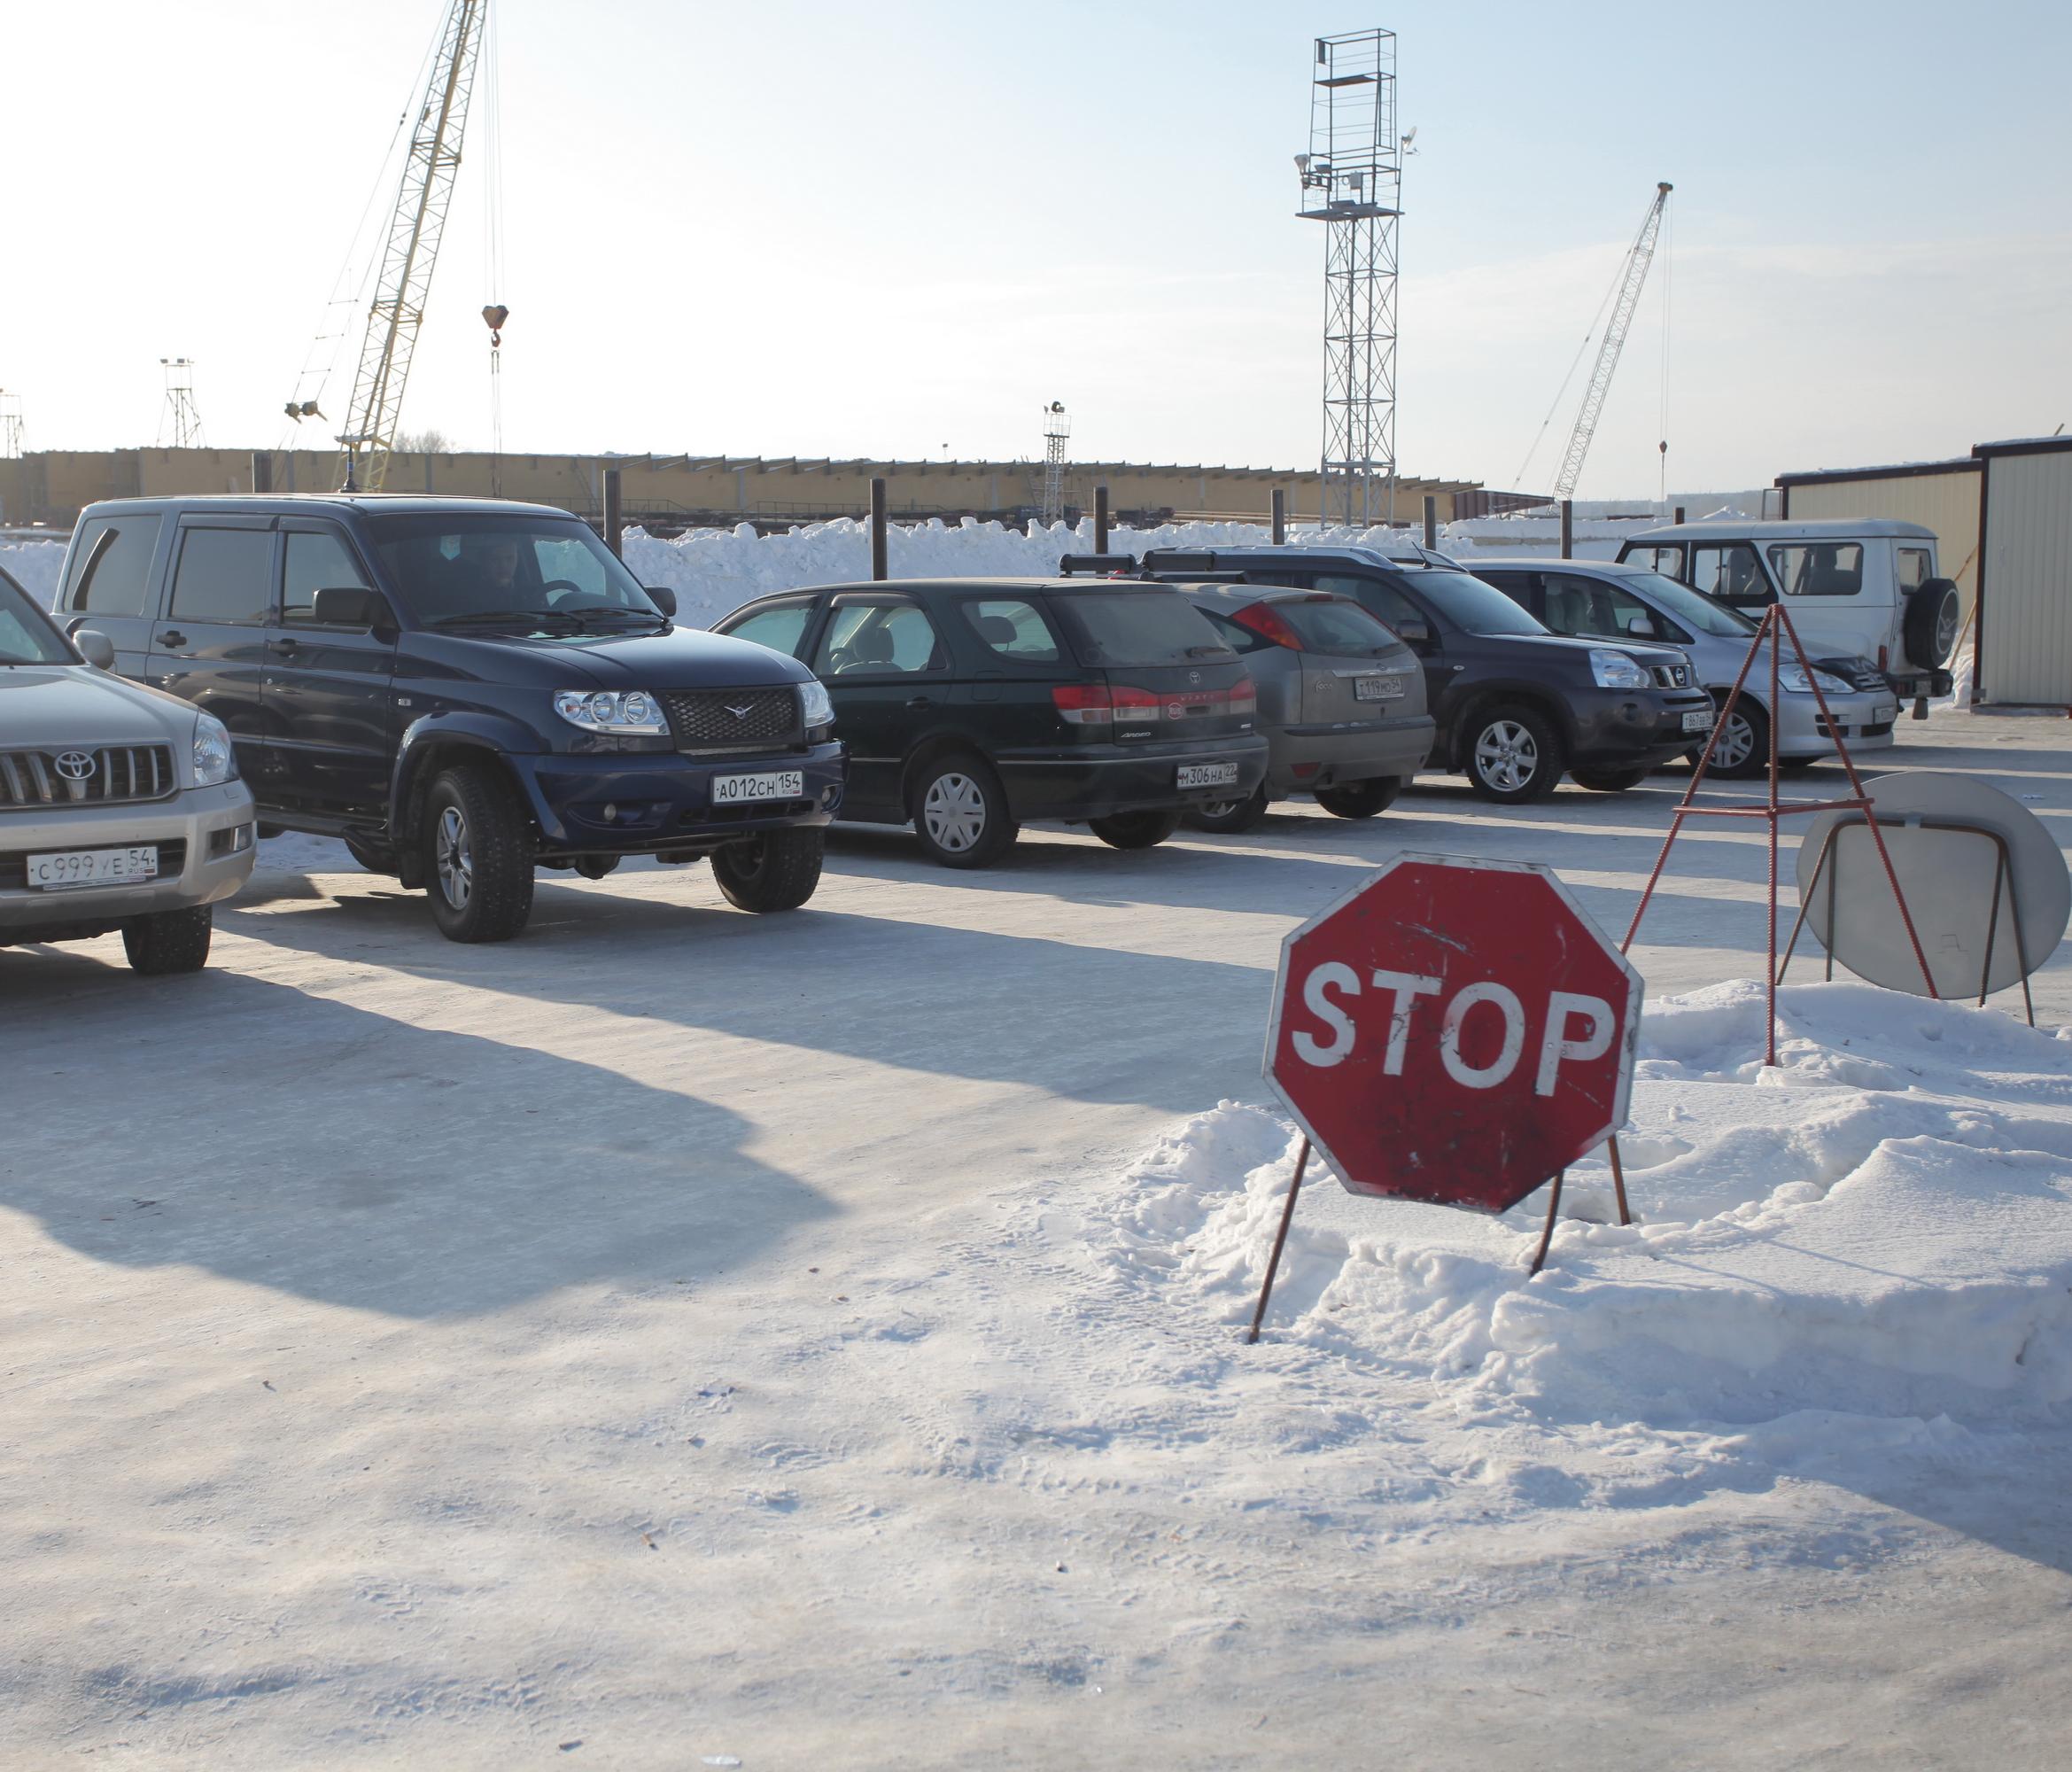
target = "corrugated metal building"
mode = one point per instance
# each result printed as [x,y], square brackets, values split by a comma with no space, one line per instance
[1939,496]
[2025,572]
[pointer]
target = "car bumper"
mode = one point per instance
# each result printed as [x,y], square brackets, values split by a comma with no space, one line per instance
[1615,726]
[1864,721]
[206,823]
[635,803]
[1098,781]
[1306,757]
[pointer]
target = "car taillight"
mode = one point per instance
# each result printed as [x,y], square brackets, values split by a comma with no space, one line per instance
[1080,704]
[1244,698]
[1260,619]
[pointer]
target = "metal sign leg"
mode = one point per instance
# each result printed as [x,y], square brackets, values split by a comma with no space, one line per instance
[1626,1215]
[1547,1236]
[1273,1262]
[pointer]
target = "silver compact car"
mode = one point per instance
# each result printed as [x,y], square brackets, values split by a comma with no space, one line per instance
[1341,700]
[1595,597]
[120,808]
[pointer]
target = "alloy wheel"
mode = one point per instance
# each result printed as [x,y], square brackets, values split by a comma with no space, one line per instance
[1506,756]
[452,858]
[954,810]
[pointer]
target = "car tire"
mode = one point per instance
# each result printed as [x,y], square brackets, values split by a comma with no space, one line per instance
[960,812]
[777,871]
[169,941]
[1608,781]
[1742,753]
[1136,830]
[1928,627]
[1361,799]
[1225,818]
[477,855]
[1513,754]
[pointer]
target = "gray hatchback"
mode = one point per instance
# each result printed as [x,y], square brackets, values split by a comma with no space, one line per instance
[1341,700]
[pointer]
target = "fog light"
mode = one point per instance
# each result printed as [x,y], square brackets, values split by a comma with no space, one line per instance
[610,812]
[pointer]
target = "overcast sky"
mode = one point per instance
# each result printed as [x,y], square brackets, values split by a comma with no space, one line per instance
[808,228]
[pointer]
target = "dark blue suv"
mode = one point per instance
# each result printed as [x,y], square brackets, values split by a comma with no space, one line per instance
[465,690]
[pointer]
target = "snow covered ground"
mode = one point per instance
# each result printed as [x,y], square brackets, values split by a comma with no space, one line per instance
[675,1339]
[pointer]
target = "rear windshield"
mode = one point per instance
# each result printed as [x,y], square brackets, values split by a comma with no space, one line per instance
[1471,603]
[1138,627]
[1335,625]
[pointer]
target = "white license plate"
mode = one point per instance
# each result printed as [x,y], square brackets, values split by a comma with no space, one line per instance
[1699,719]
[1377,688]
[94,868]
[1208,775]
[736,790]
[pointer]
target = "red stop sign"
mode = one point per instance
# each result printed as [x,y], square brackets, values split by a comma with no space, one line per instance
[1454,1031]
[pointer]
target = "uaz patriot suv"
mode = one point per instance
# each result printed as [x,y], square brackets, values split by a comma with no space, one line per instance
[465,690]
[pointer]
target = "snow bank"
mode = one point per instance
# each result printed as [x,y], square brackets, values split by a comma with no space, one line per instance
[1880,1229]
[34,566]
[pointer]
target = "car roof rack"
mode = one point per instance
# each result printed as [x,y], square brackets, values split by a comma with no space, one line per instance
[1182,559]
[1098,566]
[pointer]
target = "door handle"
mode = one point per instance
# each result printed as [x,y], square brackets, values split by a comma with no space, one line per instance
[287,643]
[922,702]
[172,637]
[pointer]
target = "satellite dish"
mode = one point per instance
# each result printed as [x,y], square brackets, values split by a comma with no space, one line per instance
[1985,883]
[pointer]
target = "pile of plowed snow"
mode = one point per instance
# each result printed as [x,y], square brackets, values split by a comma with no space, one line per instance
[1880,1226]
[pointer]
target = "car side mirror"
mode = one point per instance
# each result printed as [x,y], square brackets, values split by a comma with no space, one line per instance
[662,597]
[1413,633]
[1640,626]
[350,606]
[95,647]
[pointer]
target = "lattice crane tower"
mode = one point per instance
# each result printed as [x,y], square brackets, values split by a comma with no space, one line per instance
[1057,430]
[1352,181]
[1633,275]
[414,233]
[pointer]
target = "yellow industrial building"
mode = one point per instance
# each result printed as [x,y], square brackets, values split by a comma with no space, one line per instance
[667,492]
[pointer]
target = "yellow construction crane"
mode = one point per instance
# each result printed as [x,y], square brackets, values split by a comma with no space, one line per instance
[411,252]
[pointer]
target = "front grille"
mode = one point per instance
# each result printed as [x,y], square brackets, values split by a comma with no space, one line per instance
[716,720]
[1672,676]
[100,775]
[14,864]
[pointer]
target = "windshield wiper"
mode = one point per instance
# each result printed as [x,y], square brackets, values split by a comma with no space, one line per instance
[642,618]
[508,618]
[1205,652]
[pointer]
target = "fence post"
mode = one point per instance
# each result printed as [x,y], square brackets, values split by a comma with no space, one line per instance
[262,472]
[878,567]
[1568,528]
[1431,520]
[612,523]
[1100,518]
[1280,516]
[1679,512]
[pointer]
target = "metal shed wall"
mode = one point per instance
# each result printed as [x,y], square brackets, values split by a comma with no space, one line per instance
[1947,503]
[2025,621]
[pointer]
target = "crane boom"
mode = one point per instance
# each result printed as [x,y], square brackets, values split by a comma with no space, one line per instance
[411,252]
[1633,274]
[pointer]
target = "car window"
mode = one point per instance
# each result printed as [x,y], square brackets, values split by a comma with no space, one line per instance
[315,561]
[1692,610]
[25,634]
[507,568]
[110,564]
[1336,625]
[781,627]
[1111,628]
[877,639]
[1012,628]
[1515,586]
[1818,569]
[1385,602]
[222,575]
[1576,604]
[1914,568]
[1729,571]
[1666,561]
[1237,639]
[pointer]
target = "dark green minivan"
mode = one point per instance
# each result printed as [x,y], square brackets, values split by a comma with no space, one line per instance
[972,705]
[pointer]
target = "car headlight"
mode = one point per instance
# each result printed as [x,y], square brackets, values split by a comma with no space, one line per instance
[1618,670]
[1794,679]
[815,706]
[214,761]
[633,711]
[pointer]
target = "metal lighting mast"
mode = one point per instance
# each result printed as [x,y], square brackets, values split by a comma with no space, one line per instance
[412,250]
[182,416]
[10,425]
[1057,429]
[1352,181]
[1633,274]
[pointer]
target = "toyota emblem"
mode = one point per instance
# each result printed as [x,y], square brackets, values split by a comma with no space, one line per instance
[74,766]
[1194,676]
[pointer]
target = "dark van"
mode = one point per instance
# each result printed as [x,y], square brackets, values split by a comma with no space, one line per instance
[973,705]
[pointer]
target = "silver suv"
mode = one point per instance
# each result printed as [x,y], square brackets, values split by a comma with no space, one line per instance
[119,807]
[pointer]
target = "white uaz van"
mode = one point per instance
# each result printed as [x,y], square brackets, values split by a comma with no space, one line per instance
[1866,594]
